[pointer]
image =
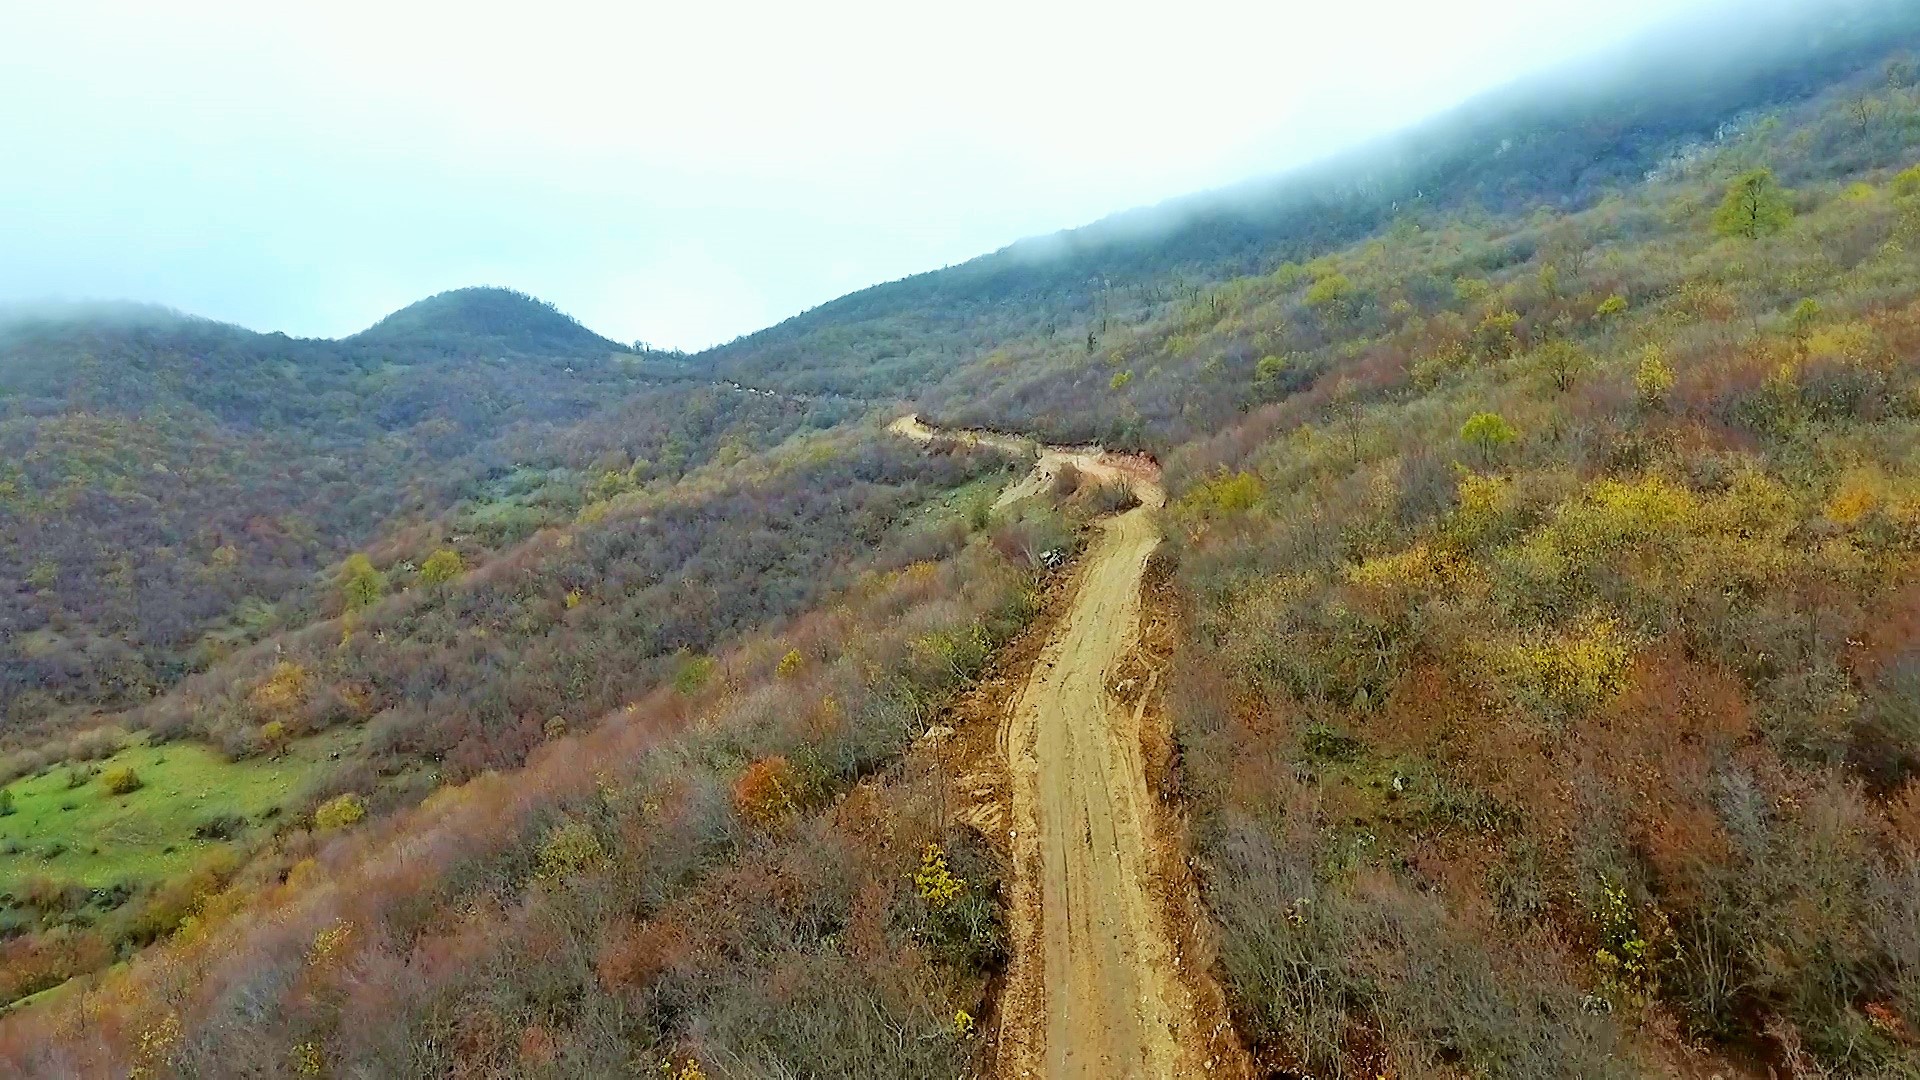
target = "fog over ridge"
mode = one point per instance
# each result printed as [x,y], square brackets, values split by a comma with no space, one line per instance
[681,178]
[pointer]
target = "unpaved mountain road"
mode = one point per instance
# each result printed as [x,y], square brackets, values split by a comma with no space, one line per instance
[1104,466]
[1095,988]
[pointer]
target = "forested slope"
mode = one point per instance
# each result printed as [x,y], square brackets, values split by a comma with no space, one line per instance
[171,488]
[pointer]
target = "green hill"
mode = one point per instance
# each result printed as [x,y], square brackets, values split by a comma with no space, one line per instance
[485,320]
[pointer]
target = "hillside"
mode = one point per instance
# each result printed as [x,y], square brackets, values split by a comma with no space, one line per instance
[169,482]
[1561,141]
[1522,682]
[479,320]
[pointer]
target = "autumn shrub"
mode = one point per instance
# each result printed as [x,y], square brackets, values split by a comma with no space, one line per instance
[790,664]
[767,791]
[120,780]
[283,689]
[570,848]
[1885,742]
[1226,493]
[340,811]
[958,885]
[1568,672]
[1027,533]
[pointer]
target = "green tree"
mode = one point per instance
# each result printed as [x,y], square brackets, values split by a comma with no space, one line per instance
[1564,362]
[442,566]
[360,583]
[1756,206]
[1488,431]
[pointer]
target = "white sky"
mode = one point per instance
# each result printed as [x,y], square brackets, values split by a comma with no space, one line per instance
[679,173]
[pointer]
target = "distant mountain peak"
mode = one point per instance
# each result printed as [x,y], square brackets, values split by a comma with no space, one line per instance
[486,319]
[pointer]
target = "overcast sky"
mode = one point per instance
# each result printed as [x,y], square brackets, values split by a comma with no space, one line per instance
[679,173]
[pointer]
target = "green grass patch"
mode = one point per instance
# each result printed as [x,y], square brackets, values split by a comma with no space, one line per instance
[970,502]
[89,836]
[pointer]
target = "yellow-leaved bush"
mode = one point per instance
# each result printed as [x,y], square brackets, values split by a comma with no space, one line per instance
[570,848]
[1563,672]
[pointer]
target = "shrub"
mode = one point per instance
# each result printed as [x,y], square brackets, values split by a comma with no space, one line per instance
[1564,363]
[693,674]
[120,780]
[1226,493]
[220,827]
[570,849]
[1495,337]
[934,882]
[1112,498]
[1329,291]
[959,883]
[1571,671]
[1907,182]
[766,792]
[790,664]
[283,690]
[340,811]
[1066,481]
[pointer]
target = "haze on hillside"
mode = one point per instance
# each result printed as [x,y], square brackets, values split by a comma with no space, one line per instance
[680,175]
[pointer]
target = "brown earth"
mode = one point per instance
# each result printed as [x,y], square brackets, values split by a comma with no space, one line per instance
[1110,973]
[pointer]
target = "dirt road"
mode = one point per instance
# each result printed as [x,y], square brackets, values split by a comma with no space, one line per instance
[1095,989]
[1104,466]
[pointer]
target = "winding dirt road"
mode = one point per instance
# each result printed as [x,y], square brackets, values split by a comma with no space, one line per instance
[1095,988]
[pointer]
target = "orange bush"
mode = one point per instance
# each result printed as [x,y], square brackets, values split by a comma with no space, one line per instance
[632,954]
[765,792]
